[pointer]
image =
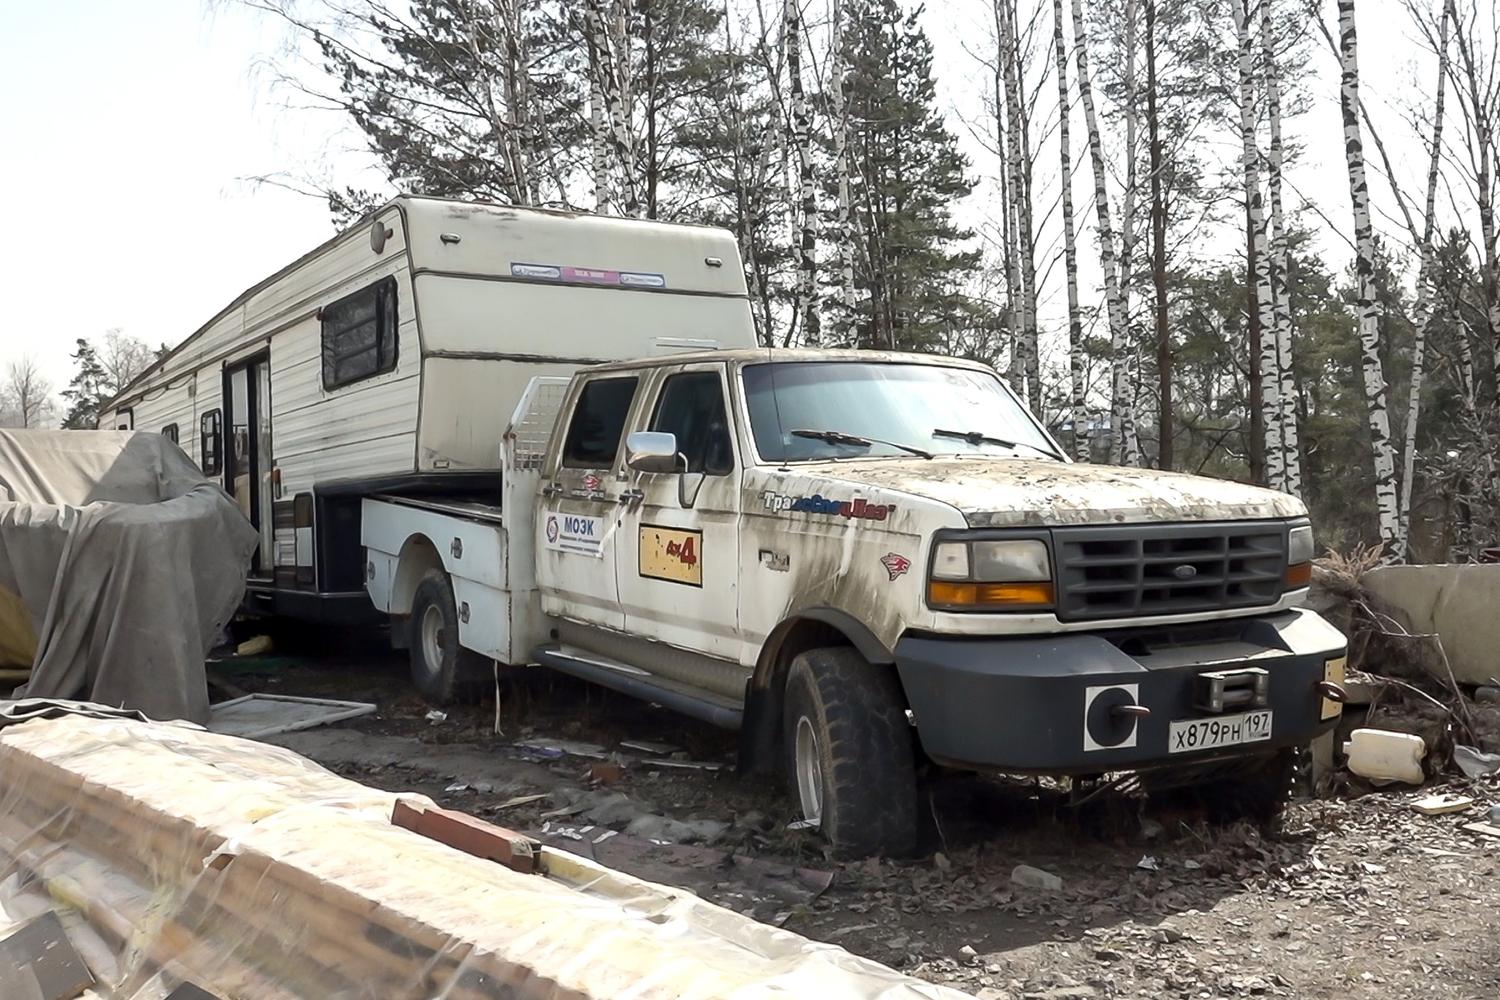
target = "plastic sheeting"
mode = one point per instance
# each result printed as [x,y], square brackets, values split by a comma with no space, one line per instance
[119,563]
[175,855]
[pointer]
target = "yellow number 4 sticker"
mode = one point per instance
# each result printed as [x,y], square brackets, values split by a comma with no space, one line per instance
[671,554]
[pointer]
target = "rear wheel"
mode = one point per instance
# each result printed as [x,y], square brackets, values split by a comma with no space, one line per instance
[849,755]
[441,669]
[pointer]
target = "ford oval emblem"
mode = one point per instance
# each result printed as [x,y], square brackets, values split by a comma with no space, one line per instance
[1185,572]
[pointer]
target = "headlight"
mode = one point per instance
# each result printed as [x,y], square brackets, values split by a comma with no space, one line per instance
[990,575]
[1008,562]
[1299,555]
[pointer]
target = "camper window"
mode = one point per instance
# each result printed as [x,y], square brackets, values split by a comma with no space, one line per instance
[598,422]
[209,438]
[359,334]
[170,433]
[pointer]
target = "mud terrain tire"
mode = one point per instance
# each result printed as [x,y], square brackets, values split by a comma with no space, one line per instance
[850,717]
[442,670]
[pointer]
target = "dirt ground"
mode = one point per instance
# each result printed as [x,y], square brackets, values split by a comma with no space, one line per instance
[1348,897]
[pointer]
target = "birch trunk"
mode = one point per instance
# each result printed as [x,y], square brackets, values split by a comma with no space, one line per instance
[1364,244]
[1426,282]
[1015,373]
[801,146]
[1122,389]
[843,234]
[1286,436]
[599,142]
[1481,110]
[1020,128]
[1114,306]
[1164,414]
[1259,265]
[1076,371]
[1018,225]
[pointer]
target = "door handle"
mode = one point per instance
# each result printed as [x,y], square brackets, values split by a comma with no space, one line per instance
[632,497]
[552,490]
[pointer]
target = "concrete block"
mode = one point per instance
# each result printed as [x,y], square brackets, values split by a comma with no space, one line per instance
[1458,603]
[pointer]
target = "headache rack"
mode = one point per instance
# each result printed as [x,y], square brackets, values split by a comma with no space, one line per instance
[1130,571]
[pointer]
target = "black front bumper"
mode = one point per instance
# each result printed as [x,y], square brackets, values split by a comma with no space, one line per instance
[1059,704]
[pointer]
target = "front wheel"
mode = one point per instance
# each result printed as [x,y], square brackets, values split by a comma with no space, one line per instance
[850,761]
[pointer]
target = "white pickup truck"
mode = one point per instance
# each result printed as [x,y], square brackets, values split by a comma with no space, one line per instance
[870,564]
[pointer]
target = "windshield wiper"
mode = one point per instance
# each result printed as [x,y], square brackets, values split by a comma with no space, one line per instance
[976,438]
[839,437]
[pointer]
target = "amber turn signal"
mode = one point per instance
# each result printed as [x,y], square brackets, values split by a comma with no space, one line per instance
[999,596]
[1298,575]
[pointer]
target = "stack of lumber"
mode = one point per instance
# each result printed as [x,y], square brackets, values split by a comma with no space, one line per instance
[174,854]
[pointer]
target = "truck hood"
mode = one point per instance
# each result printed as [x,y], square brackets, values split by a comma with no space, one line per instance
[1009,492]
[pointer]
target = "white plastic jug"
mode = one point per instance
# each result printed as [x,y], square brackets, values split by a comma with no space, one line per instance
[1385,756]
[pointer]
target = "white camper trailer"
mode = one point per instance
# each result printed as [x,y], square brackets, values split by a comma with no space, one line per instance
[388,360]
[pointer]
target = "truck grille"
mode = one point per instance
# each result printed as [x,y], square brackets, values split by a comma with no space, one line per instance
[1167,569]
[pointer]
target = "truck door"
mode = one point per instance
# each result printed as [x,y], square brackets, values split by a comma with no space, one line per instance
[679,539]
[577,518]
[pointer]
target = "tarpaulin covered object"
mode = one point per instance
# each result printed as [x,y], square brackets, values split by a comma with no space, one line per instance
[174,855]
[119,563]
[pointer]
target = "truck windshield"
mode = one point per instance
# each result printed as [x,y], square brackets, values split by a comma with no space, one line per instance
[865,406]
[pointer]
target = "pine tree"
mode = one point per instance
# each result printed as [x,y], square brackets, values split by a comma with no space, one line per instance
[85,392]
[910,174]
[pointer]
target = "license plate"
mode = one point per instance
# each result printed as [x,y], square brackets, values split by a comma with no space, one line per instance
[1190,735]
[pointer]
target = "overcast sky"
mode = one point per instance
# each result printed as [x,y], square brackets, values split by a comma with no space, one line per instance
[130,130]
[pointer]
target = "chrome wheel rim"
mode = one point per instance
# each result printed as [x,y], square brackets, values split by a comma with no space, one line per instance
[432,638]
[807,761]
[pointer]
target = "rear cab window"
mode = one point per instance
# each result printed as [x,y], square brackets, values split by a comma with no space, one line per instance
[598,423]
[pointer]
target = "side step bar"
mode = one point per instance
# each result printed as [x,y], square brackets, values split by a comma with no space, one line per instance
[637,683]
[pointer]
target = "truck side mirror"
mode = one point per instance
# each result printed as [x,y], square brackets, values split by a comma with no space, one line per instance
[653,451]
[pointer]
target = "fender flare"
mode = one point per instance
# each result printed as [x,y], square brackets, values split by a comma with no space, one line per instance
[762,718]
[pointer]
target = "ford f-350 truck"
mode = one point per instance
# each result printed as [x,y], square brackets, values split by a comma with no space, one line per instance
[869,564]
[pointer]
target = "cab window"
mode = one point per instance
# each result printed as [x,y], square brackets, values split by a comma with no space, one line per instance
[691,406]
[598,423]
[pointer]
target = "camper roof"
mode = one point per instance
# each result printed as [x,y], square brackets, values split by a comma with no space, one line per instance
[449,236]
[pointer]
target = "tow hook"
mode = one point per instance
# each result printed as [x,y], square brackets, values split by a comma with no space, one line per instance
[1131,711]
[1332,691]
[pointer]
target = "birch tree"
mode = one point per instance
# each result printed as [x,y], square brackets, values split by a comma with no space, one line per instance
[1076,362]
[838,123]
[1373,371]
[800,142]
[1426,291]
[1262,326]
[1120,415]
[1286,436]
[1017,157]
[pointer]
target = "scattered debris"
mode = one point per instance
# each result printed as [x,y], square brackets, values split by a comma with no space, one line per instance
[1487,829]
[1384,756]
[519,800]
[1475,763]
[1495,814]
[435,716]
[651,747]
[256,716]
[606,772]
[1439,805]
[457,786]
[573,748]
[1028,877]
[1148,863]
[803,824]
[258,646]
[684,765]
[39,961]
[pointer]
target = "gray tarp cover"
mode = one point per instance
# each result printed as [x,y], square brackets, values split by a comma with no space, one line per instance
[119,562]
